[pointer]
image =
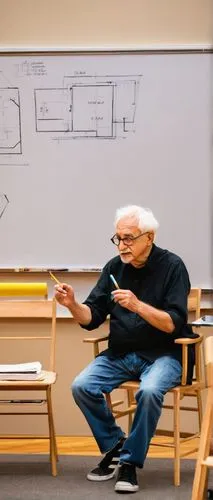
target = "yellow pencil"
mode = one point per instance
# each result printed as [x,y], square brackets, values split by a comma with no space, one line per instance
[54,278]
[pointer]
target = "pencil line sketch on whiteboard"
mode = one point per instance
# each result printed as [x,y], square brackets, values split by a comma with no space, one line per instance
[88,107]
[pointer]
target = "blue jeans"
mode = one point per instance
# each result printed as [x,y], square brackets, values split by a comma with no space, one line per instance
[105,374]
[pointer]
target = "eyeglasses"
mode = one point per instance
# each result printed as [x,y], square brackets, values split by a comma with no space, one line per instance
[128,240]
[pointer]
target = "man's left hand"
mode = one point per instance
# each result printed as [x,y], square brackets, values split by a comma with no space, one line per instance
[126,299]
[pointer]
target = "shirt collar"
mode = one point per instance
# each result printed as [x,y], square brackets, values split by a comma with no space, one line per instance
[151,261]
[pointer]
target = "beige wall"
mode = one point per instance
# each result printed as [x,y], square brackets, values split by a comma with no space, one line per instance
[105,23]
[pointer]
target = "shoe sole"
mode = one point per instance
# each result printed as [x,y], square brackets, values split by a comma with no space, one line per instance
[92,477]
[122,486]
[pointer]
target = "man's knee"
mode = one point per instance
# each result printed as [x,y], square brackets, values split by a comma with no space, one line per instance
[77,386]
[149,393]
[81,387]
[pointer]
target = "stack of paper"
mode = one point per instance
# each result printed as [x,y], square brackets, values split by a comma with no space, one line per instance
[23,371]
[203,321]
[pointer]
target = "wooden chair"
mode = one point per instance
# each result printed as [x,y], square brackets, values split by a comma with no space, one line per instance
[205,453]
[27,301]
[178,392]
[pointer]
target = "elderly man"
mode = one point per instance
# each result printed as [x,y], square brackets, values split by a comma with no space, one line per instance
[144,290]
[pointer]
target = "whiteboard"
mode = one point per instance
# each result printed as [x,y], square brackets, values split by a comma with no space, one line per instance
[82,134]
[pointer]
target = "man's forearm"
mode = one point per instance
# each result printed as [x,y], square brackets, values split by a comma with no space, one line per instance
[156,317]
[81,313]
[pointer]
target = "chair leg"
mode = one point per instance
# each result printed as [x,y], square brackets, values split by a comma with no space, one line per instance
[130,399]
[200,477]
[108,400]
[52,439]
[177,438]
[200,409]
[130,420]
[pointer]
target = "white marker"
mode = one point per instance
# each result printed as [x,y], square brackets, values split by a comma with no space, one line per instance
[114,281]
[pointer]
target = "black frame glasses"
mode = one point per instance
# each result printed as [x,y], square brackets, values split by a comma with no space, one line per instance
[127,240]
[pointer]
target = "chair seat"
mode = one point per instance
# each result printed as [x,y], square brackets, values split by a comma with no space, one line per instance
[189,388]
[134,385]
[47,378]
[131,384]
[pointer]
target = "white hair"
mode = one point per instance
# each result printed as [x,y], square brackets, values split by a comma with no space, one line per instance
[143,216]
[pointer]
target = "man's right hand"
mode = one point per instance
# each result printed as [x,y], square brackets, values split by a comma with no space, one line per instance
[64,294]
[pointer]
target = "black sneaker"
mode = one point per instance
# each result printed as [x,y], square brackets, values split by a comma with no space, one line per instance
[210,494]
[127,479]
[107,467]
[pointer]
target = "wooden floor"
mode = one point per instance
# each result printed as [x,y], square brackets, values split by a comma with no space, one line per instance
[74,445]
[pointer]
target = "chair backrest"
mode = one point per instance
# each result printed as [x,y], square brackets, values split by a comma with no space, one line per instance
[194,302]
[28,301]
[208,351]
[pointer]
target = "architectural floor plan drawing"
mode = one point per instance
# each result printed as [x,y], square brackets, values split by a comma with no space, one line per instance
[10,122]
[3,203]
[88,107]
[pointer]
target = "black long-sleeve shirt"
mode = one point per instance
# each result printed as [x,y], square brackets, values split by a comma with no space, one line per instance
[162,283]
